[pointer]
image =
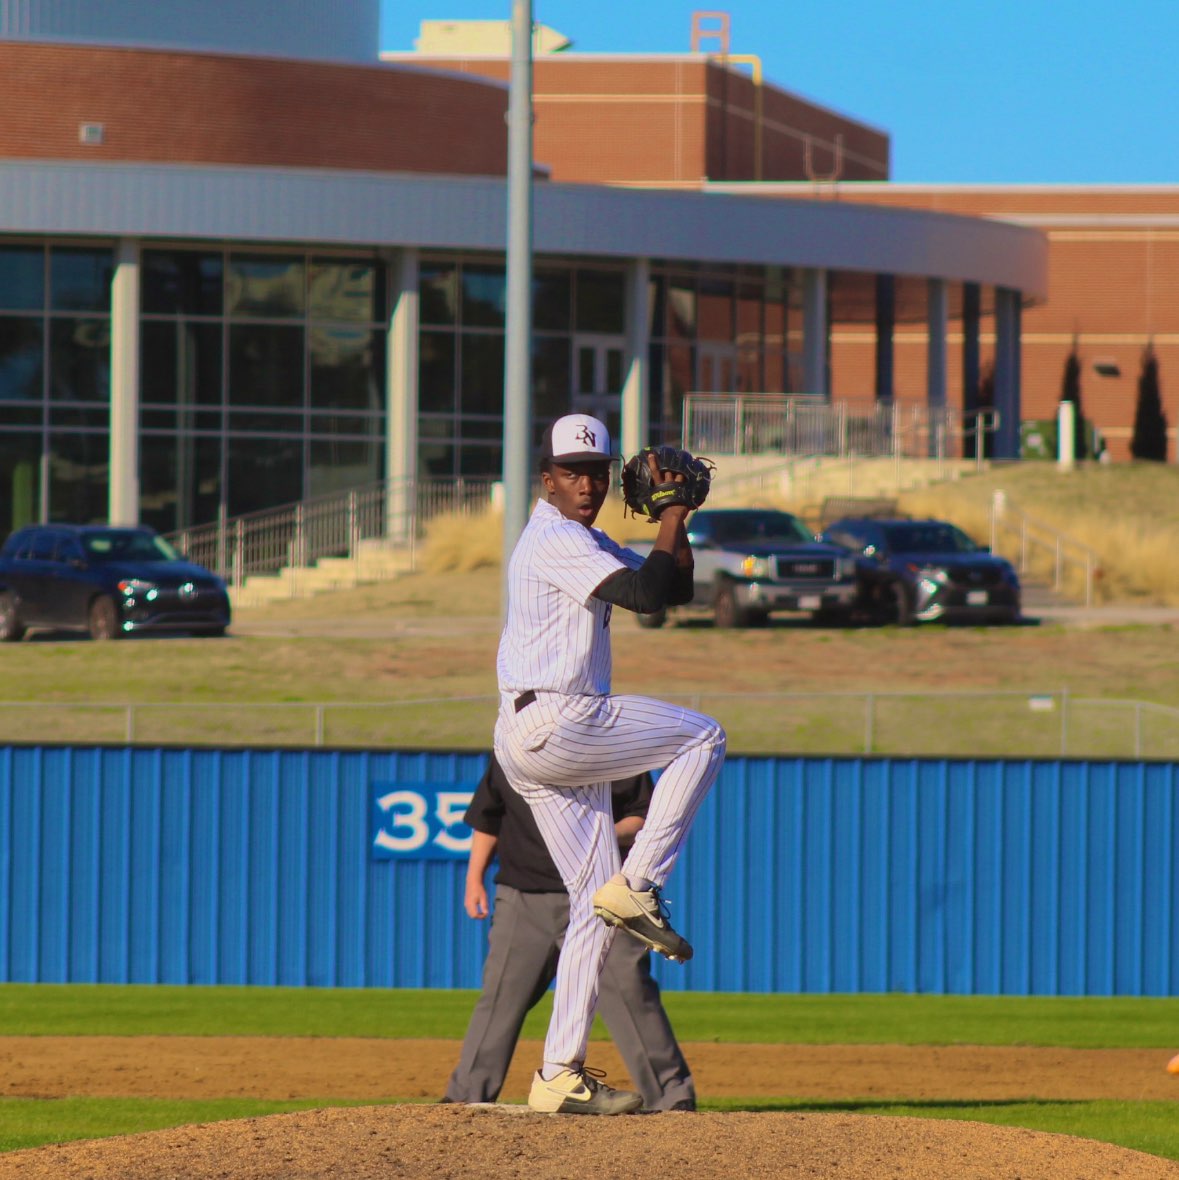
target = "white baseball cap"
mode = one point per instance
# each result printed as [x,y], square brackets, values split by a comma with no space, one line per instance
[576,438]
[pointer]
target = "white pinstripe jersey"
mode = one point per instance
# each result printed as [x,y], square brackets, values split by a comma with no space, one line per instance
[557,635]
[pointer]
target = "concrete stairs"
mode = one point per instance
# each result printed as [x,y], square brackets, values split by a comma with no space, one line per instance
[375,561]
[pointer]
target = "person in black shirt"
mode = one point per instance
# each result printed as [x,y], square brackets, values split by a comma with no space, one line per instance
[531,913]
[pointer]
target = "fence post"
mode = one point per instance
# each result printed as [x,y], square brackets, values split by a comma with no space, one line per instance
[1137,729]
[869,721]
[129,727]
[238,556]
[1064,722]
[319,725]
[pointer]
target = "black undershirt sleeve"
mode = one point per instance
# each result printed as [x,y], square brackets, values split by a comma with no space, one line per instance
[657,583]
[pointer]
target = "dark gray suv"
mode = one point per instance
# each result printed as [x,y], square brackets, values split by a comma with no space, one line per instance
[106,580]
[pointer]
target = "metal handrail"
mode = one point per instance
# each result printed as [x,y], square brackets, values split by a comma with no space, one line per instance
[793,425]
[299,534]
[1032,536]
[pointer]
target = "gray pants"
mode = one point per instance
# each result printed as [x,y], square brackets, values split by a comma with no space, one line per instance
[527,931]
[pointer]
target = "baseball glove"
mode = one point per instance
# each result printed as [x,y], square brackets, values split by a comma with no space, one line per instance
[647,496]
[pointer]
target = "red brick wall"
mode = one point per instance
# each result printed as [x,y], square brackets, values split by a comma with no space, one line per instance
[209,108]
[674,122]
[1113,286]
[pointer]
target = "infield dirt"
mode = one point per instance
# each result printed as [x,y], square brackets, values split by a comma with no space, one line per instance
[416,1142]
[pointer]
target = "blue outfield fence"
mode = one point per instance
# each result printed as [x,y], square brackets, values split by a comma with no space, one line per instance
[345,869]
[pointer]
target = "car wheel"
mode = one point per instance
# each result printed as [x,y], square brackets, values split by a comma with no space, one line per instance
[900,603]
[211,633]
[103,619]
[11,628]
[654,620]
[725,610]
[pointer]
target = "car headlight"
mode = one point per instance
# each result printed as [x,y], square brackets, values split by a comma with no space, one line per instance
[137,588]
[757,567]
[932,575]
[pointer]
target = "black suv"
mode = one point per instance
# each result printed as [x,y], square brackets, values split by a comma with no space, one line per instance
[107,580]
[921,570]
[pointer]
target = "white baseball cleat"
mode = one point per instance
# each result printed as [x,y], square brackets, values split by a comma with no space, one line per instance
[643,915]
[578,1091]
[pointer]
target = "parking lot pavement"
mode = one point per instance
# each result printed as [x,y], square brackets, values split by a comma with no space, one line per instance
[1042,605]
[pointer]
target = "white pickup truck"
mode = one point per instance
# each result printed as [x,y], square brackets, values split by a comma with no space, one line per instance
[751,561]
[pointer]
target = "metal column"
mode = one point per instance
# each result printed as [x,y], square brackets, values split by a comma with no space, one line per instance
[636,394]
[401,397]
[937,319]
[814,332]
[1007,392]
[123,491]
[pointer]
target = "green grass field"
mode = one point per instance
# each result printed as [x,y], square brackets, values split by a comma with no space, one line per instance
[893,1019]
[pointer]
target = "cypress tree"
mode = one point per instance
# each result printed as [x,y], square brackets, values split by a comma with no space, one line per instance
[1149,440]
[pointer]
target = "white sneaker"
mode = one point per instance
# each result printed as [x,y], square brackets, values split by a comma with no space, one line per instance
[643,915]
[575,1091]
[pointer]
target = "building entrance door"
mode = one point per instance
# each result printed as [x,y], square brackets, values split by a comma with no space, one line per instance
[597,379]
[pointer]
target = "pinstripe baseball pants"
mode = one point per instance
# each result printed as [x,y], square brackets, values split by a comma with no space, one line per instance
[548,750]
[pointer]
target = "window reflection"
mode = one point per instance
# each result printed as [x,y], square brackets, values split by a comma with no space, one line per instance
[21,359]
[265,365]
[484,296]
[344,291]
[22,278]
[264,285]
[79,360]
[80,279]
[79,476]
[346,364]
[181,282]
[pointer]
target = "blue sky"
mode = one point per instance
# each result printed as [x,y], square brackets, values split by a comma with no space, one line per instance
[1038,91]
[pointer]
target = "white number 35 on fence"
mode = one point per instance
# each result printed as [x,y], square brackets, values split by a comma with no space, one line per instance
[419,821]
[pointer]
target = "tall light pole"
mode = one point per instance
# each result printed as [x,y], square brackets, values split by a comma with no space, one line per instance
[517,477]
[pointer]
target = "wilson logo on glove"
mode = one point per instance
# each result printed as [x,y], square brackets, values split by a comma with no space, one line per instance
[658,477]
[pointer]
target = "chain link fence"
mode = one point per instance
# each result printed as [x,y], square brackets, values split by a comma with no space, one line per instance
[1011,724]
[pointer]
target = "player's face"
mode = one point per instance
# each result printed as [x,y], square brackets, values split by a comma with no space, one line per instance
[578,492]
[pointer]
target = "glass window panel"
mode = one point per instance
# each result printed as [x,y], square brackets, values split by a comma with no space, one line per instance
[657,306]
[714,312]
[266,366]
[77,418]
[436,459]
[347,368]
[264,285]
[20,414]
[481,461]
[263,473]
[180,282]
[436,427]
[79,360]
[21,358]
[551,298]
[436,371]
[587,363]
[601,301]
[613,370]
[677,381]
[482,374]
[179,480]
[345,424]
[20,476]
[550,376]
[181,418]
[179,363]
[484,296]
[749,378]
[340,289]
[482,428]
[22,278]
[80,279]
[337,465]
[438,291]
[681,310]
[79,470]
[266,422]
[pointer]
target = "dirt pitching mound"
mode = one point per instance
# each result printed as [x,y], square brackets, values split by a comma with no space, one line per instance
[449,1143]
